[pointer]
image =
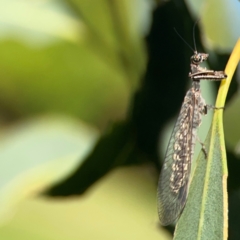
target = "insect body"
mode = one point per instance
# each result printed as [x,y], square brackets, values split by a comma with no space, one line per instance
[174,178]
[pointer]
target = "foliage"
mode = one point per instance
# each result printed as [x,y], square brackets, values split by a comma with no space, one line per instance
[86,90]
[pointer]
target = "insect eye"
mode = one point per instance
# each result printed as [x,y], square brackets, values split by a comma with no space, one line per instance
[198,58]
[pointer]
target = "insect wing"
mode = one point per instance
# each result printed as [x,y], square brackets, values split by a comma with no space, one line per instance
[175,173]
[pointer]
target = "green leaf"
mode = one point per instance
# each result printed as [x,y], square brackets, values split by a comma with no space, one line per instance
[62,78]
[114,148]
[114,34]
[47,21]
[232,115]
[121,206]
[206,212]
[38,153]
[221,31]
[91,67]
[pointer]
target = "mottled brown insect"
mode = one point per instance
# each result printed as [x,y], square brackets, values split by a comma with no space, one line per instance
[174,178]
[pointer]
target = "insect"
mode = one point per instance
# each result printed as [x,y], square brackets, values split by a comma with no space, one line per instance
[174,177]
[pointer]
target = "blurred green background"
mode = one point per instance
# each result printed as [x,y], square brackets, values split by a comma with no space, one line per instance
[89,90]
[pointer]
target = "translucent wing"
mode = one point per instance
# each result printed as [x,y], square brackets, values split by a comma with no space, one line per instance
[175,173]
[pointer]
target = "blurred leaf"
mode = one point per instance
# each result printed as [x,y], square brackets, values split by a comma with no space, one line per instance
[45,21]
[113,25]
[121,206]
[38,153]
[221,27]
[95,78]
[232,115]
[115,148]
[222,30]
[62,78]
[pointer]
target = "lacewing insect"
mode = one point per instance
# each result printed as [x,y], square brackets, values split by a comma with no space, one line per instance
[174,177]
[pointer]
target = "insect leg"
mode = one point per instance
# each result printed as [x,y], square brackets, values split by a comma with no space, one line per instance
[203,147]
[211,107]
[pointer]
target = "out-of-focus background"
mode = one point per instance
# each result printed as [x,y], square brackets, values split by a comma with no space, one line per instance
[89,92]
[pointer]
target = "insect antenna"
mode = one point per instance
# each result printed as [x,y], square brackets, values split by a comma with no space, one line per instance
[194,37]
[185,41]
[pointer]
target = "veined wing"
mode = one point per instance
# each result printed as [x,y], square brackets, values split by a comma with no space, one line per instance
[175,173]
